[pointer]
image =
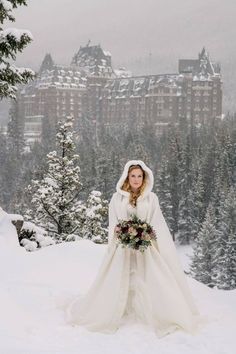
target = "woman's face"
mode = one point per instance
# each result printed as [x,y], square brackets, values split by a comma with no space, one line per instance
[135,179]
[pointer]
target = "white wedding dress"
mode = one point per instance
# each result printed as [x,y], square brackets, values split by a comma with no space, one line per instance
[149,287]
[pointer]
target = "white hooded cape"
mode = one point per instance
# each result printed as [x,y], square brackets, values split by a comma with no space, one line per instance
[162,297]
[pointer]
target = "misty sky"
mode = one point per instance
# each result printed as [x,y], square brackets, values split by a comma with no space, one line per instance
[129,29]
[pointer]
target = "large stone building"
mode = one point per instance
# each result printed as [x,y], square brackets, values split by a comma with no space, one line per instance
[194,93]
[91,91]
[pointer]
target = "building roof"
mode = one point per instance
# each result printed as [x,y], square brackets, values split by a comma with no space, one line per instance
[47,63]
[58,77]
[137,86]
[202,66]
[93,61]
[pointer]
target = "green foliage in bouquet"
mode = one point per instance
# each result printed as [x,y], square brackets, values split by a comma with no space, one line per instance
[135,233]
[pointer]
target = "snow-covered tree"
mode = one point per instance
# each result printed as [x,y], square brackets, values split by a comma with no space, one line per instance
[10,178]
[174,161]
[186,219]
[164,193]
[198,201]
[208,168]
[226,242]
[226,276]
[3,157]
[203,266]
[96,214]
[33,237]
[15,133]
[12,41]
[56,195]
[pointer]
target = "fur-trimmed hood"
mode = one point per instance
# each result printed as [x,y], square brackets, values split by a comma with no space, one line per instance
[148,175]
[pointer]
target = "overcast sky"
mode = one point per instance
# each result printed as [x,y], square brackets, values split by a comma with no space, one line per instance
[146,36]
[129,29]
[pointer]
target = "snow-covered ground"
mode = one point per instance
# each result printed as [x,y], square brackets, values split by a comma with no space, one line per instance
[36,287]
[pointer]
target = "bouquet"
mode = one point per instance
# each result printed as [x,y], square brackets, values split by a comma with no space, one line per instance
[135,233]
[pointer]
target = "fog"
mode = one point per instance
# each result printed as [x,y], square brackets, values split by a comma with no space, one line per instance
[145,36]
[161,30]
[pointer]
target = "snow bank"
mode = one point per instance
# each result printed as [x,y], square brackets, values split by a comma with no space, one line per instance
[36,288]
[38,239]
[14,319]
[8,234]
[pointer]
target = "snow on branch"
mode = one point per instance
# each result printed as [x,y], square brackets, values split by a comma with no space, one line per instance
[10,76]
[12,41]
[6,7]
[17,33]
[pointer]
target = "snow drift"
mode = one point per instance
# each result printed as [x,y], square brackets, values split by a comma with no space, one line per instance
[36,288]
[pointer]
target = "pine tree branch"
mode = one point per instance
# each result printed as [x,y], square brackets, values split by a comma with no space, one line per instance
[48,212]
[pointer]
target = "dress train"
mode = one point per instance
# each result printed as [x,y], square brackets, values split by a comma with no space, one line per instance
[131,283]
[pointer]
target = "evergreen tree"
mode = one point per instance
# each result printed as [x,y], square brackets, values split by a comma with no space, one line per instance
[136,149]
[208,167]
[186,220]
[226,242]
[12,41]
[226,277]
[107,168]
[199,210]
[204,260]
[15,132]
[56,195]
[48,136]
[95,227]
[174,158]
[229,160]
[191,208]
[3,148]
[3,156]
[164,193]
[186,200]
[11,180]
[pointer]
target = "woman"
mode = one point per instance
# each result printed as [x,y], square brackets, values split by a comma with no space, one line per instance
[149,286]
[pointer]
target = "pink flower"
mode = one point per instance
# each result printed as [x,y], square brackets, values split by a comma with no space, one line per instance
[117,229]
[132,231]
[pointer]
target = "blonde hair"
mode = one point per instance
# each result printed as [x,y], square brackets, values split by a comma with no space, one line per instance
[126,185]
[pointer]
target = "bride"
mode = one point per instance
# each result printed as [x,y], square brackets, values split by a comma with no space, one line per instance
[148,286]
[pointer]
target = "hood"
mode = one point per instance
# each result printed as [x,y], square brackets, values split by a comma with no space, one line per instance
[148,173]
